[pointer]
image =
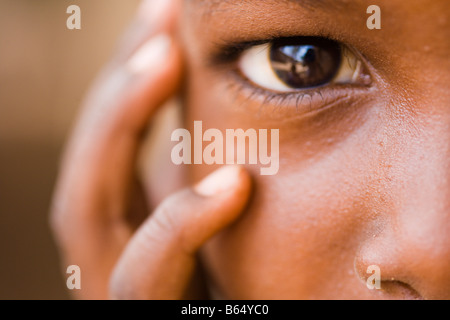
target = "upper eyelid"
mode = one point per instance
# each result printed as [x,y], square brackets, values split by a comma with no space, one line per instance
[229,52]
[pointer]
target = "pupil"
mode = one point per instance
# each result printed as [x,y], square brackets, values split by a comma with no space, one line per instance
[305,63]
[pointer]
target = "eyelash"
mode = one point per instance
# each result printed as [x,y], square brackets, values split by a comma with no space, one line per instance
[228,57]
[327,96]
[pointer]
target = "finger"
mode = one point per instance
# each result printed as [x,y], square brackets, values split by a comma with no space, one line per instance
[152,17]
[97,171]
[160,259]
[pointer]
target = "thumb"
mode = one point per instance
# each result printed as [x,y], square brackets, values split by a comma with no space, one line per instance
[160,259]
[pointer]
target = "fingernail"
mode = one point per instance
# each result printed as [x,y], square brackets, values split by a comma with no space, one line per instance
[151,54]
[220,180]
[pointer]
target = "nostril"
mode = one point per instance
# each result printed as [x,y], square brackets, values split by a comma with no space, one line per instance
[400,290]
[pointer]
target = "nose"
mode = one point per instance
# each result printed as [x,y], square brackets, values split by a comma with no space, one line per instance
[412,265]
[412,245]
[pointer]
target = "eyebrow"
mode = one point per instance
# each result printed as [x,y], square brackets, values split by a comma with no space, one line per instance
[214,5]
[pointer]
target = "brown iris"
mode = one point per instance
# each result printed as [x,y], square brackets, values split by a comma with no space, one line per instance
[305,62]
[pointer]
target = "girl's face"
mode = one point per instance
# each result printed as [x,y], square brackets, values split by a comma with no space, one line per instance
[364,175]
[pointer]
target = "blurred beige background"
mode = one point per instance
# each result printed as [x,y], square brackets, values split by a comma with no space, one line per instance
[44,71]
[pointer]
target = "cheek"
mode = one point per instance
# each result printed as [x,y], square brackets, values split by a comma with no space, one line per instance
[298,220]
[298,238]
[303,225]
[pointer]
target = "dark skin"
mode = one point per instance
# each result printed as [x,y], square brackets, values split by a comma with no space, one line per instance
[364,172]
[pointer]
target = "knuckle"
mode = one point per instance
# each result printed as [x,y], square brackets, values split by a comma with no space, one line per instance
[119,288]
[166,217]
[167,222]
[125,283]
[56,220]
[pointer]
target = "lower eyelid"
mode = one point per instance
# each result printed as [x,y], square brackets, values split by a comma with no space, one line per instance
[294,104]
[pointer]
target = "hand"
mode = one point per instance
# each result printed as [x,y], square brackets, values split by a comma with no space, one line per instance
[95,203]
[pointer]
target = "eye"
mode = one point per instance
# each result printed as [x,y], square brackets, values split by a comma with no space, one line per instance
[301,63]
